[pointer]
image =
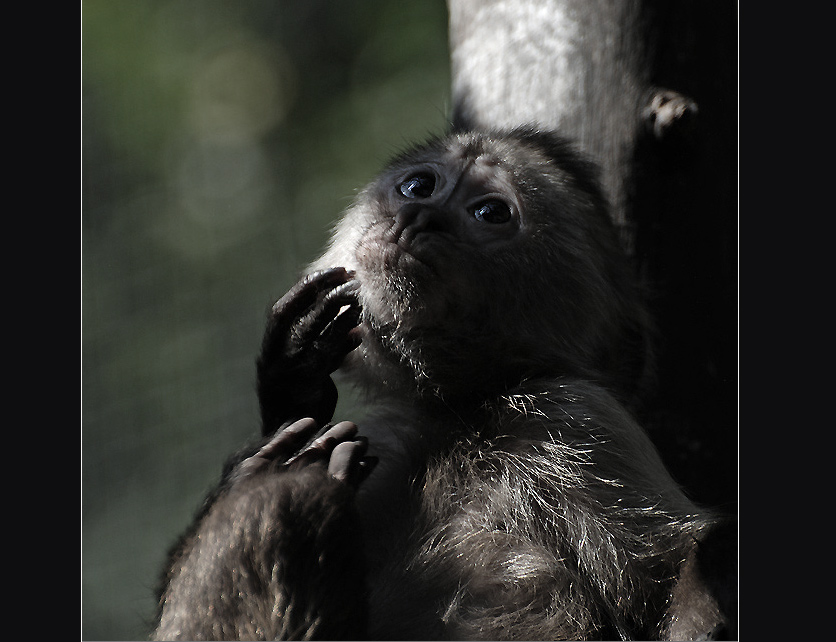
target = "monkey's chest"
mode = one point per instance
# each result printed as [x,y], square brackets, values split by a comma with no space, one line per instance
[462,564]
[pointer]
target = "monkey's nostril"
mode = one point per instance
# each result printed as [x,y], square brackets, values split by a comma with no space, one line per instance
[416,218]
[402,219]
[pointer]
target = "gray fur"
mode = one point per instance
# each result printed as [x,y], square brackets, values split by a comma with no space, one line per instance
[515,496]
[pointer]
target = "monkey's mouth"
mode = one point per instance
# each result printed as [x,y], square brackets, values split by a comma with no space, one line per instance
[400,256]
[390,249]
[406,244]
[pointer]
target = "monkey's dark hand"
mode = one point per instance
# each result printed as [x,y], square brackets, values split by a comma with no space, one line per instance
[298,446]
[308,335]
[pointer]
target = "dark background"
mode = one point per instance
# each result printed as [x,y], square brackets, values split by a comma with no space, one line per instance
[221,139]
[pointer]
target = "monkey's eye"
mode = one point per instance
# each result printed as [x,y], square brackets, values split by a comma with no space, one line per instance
[418,186]
[493,211]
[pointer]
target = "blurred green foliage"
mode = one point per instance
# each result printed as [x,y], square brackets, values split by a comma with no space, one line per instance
[221,139]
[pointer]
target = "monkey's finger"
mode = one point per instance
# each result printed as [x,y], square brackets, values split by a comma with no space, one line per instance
[322,446]
[302,296]
[339,304]
[344,464]
[341,338]
[346,319]
[298,302]
[283,444]
[343,431]
[289,440]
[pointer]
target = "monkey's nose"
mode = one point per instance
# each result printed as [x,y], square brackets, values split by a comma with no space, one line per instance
[418,218]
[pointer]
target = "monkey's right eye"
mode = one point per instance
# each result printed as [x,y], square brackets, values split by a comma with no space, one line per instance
[418,186]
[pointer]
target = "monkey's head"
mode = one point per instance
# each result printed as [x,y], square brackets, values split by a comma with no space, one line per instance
[483,260]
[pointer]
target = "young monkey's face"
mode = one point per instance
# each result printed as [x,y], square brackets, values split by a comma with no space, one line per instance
[475,245]
[429,227]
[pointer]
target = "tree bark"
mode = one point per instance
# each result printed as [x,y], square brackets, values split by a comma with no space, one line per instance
[647,88]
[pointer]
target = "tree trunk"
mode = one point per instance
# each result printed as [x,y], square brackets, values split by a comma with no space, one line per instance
[647,88]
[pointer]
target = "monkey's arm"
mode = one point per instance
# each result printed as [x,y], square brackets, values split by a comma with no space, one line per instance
[307,337]
[275,555]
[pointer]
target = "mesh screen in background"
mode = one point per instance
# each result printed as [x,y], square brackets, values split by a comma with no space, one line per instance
[220,141]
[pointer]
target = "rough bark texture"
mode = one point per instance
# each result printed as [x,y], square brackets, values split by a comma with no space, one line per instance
[648,89]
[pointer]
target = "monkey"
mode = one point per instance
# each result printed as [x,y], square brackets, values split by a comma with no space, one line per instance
[497,485]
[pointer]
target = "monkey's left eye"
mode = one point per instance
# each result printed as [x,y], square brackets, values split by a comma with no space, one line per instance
[493,211]
[418,186]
